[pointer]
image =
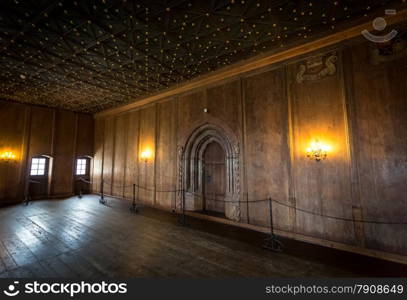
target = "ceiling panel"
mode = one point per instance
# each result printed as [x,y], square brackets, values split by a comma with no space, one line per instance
[91,55]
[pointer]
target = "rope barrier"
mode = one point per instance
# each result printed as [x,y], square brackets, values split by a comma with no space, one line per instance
[208,198]
[84,180]
[301,210]
[271,242]
[81,179]
[143,188]
[338,218]
[27,195]
[33,181]
[227,201]
[118,186]
[298,209]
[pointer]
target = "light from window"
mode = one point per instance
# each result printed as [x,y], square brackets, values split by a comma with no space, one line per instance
[38,166]
[81,166]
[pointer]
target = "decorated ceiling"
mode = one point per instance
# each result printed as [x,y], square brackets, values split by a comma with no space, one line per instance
[89,55]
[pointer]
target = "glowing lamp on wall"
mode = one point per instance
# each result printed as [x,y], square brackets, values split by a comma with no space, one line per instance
[318,150]
[146,155]
[8,156]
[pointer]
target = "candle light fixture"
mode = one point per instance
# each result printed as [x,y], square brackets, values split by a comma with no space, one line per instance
[317,150]
[146,155]
[8,156]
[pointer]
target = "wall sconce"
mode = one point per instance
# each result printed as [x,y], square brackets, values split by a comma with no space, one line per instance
[318,151]
[8,156]
[146,155]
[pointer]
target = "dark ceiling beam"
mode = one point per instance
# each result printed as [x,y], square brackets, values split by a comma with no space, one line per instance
[209,34]
[81,49]
[31,24]
[159,30]
[76,79]
[102,53]
[51,67]
[58,36]
[117,36]
[197,59]
[61,36]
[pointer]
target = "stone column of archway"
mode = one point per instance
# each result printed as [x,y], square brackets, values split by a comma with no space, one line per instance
[190,158]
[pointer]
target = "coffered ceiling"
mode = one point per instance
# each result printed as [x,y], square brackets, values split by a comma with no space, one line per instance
[89,55]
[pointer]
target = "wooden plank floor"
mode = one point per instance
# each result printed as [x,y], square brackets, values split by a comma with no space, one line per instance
[81,238]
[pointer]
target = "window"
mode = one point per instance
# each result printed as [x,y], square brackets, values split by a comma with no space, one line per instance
[81,166]
[38,166]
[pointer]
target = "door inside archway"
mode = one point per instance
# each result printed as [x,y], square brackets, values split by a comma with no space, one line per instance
[214,179]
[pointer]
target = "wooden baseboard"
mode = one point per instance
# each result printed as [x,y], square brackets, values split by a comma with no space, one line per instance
[308,239]
[8,202]
[53,196]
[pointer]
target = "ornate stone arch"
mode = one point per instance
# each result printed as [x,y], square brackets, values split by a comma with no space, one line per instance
[190,160]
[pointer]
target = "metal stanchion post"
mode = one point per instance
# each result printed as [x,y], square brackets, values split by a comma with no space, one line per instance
[133,207]
[27,197]
[27,193]
[102,196]
[174,205]
[80,188]
[271,242]
[184,217]
[183,220]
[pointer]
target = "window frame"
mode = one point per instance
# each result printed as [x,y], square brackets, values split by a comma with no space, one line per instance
[84,167]
[39,164]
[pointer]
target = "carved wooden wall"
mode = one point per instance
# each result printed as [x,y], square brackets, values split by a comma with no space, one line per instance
[338,95]
[319,112]
[379,114]
[266,145]
[31,131]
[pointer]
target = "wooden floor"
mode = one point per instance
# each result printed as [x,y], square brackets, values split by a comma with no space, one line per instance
[82,238]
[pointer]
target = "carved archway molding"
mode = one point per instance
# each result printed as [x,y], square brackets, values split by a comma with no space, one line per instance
[190,162]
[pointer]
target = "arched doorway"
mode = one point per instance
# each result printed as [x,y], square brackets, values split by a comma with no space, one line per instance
[214,179]
[207,146]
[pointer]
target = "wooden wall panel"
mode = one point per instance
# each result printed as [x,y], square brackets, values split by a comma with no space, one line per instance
[266,152]
[12,124]
[85,135]
[31,131]
[119,155]
[360,113]
[224,105]
[42,131]
[147,142]
[322,188]
[132,152]
[64,149]
[108,155]
[379,95]
[166,160]
[98,155]
[42,143]
[190,112]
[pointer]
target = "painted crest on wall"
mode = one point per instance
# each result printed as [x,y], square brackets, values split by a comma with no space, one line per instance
[316,68]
